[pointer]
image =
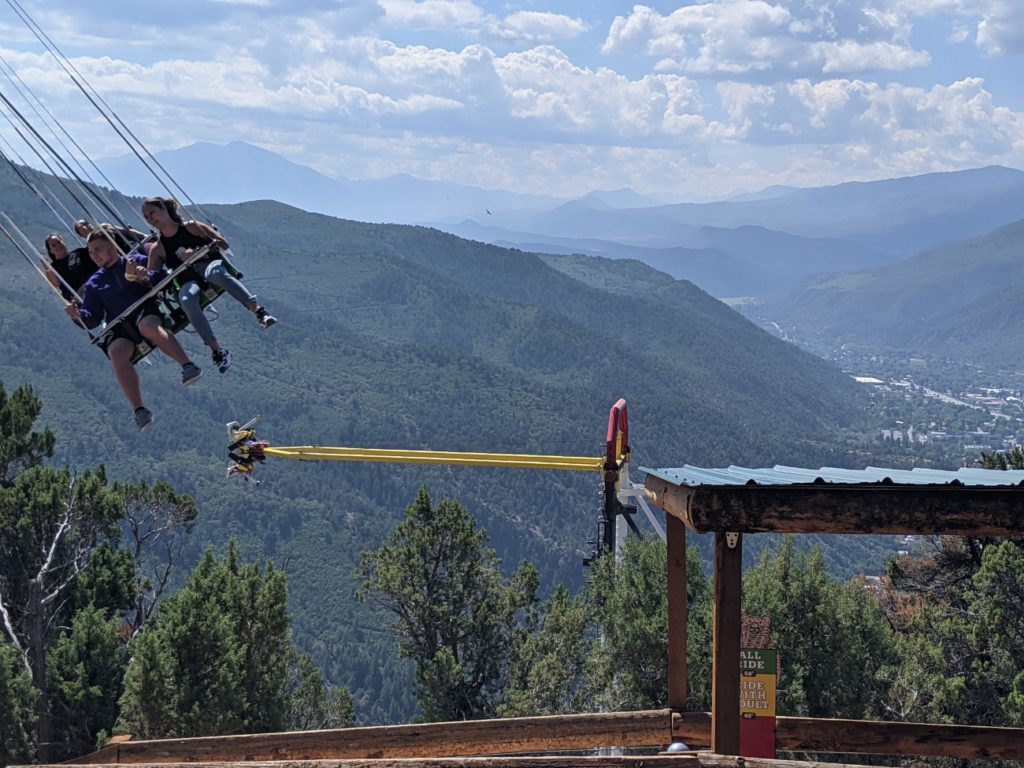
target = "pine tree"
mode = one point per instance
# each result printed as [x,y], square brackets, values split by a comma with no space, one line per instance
[456,616]
[64,581]
[20,447]
[311,705]
[217,657]
[86,667]
[996,602]
[629,666]
[957,605]
[17,707]
[547,667]
[50,523]
[832,638]
[156,521]
[1014,459]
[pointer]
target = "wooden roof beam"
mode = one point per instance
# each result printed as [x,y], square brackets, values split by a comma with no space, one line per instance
[877,508]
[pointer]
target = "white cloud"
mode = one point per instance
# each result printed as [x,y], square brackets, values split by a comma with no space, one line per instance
[537,94]
[760,39]
[544,86]
[519,27]
[998,25]
[432,14]
[478,90]
[847,56]
[958,124]
[539,27]
[1001,30]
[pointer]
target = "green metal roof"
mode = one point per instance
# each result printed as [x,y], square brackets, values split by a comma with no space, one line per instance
[781,475]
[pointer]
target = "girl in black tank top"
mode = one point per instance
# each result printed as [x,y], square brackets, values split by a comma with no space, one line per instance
[181,238]
[176,235]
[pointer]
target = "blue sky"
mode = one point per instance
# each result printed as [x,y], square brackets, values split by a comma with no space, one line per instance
[679,100]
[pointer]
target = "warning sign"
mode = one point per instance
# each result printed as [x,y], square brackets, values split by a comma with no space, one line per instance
[758,680]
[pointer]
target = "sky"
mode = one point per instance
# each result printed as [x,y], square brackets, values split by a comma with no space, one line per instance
[677,100]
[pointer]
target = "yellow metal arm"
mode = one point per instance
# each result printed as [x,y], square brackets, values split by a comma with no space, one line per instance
[459,458]
[245,451]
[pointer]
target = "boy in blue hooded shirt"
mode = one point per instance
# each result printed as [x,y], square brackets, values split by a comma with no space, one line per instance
[113,288]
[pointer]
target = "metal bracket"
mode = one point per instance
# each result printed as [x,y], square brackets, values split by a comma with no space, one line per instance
[732,539]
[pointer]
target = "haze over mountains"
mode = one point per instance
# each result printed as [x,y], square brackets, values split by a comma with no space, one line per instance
[961,301]
[240,172]
[751,245]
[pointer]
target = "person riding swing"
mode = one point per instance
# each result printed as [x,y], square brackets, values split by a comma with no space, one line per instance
[179,239]
[118,284]
[68,269]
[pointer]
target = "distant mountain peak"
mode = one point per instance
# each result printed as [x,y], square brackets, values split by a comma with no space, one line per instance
[623,197]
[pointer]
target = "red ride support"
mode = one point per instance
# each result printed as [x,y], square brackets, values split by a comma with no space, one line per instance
[618,423]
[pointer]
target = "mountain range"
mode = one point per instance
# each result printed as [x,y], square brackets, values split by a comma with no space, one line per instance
[239,172]
[961,302]
[756,245]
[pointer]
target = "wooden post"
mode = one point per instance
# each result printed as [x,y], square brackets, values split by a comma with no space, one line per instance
[677,612]
[725,673]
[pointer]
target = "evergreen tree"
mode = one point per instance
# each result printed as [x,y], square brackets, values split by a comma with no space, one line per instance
[924,681]
[64,581]
[1014,459]
[833,639]
[960,649]
[996,599]
[17,707]
[629,667]
[311,705]
[86,667]
[546,668]
[216,657]
[957,605]
[155,521]
[50,523]
[20,447]
[456,616]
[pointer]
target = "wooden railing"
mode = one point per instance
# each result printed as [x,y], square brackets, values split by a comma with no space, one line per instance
[565,733]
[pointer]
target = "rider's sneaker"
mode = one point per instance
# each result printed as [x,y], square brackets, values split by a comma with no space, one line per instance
[143,418]
[222,359]
[189,373]
[265,318]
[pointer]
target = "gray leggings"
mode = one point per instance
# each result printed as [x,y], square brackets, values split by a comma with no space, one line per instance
[216,274]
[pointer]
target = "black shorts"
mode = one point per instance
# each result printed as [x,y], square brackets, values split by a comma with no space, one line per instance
[128,328]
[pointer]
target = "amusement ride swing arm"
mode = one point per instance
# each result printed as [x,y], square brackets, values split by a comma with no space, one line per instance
[245,450]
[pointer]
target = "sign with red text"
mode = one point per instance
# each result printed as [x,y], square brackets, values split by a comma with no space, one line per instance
[758,678]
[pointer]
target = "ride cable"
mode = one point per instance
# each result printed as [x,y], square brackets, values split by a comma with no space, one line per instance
[90,193]
[45,162]
[101,106]
[28,183]
[57,128]
[66,166]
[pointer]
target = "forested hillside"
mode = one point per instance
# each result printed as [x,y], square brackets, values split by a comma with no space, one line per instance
[955,302]
[394,336]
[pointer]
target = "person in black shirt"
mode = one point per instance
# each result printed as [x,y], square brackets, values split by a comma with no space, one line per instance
[125,238]
[74,266]
[179,239]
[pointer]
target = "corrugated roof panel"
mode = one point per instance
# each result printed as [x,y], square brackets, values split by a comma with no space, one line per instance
[783,475]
